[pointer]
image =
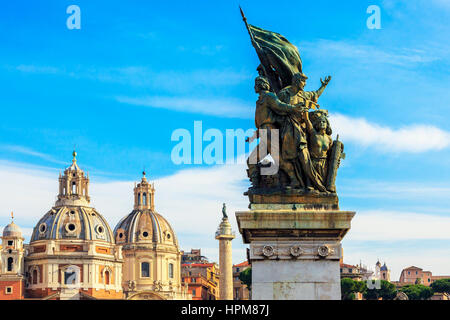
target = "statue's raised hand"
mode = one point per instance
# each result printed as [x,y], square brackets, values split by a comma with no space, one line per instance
[325,82]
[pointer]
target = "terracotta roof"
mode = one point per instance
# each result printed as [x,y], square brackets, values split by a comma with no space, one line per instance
[348,265]
[201,265]
[440,277]
[412,267]
[242,264]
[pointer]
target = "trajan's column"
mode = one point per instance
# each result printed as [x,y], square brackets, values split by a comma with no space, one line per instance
[224,234]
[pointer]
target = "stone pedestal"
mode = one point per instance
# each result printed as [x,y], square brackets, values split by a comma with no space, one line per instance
[294,250]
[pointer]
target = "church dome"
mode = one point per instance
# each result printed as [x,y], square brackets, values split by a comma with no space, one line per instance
[12,230]
[72,223]
[72,217]
[144,224]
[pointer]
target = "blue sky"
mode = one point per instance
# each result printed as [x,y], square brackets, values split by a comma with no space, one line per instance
[136,71]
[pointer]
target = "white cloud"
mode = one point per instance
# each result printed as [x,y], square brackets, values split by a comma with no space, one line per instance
[367,53]
[38,69]
[394,226]
[230,108]
[29,192]
[412,138]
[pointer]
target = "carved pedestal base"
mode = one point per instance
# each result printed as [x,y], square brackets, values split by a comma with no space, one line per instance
[294,253]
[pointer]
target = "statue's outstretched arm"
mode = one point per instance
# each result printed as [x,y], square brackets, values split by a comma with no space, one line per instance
[323,86]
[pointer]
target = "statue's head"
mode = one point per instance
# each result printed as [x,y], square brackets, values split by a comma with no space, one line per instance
[299,80]
[260,70]
[261,84]
[319,119]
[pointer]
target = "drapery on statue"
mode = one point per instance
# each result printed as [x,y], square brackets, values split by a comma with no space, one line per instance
[303,150]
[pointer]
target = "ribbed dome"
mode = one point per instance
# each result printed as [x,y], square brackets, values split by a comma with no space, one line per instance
[144,226]
[75,222]
[12,230]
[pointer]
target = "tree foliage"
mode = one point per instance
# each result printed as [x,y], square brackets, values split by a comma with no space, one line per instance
[349,287]
[246,277]
[417,292]
[387,291]
[441,286]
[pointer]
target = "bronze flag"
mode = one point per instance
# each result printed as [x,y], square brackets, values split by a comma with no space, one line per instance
[280,58]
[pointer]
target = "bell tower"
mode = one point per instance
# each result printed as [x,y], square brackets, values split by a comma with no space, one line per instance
[144,194]
[73,186]
[12,266]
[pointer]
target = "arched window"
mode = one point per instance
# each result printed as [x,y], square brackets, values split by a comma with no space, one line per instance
[10,263]
[144,199]
[171,270]
[139,198]
[107,277]
[34,278]
[145,270]
[74,188]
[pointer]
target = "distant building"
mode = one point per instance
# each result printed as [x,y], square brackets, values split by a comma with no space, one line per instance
[354,272]
[202,280]
[195,256]
[382,272]
[12,279]
[151,253]
[350,271]
[412,275]
[240,290]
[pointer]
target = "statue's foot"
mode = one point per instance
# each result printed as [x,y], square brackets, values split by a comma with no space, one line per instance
[312,191]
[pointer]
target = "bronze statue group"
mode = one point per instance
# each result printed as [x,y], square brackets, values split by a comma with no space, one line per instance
[290,124]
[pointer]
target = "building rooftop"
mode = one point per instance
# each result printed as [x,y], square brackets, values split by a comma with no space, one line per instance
[242,264]
[201,265]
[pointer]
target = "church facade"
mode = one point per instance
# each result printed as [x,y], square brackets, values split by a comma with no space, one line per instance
[74,254]
[152,256]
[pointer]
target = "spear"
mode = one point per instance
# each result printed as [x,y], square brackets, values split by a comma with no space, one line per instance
[248,28]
